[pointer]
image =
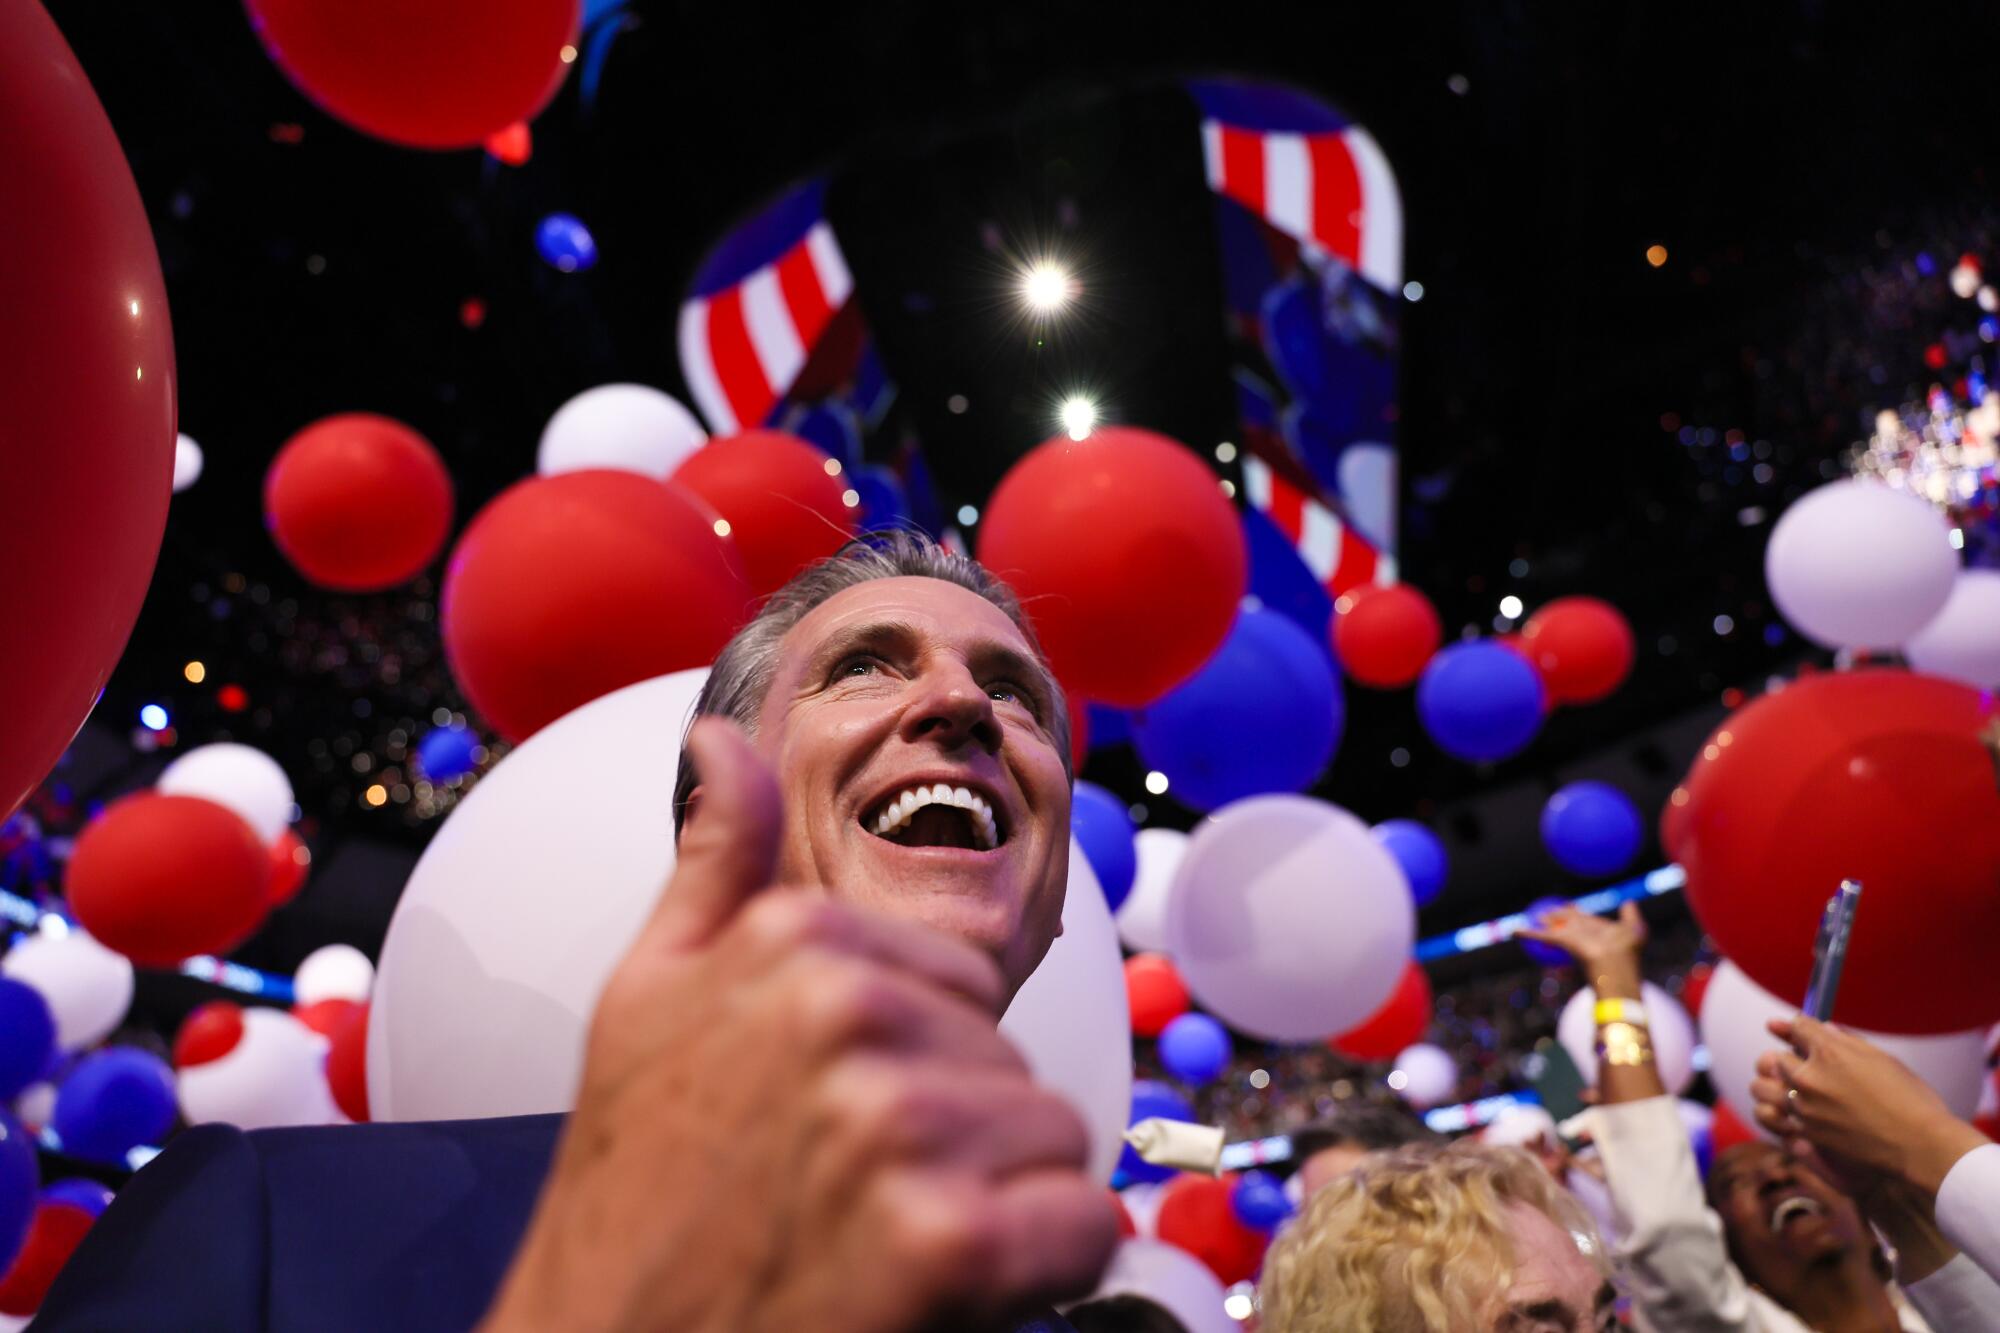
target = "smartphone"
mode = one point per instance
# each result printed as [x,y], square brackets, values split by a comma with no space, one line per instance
[1836,932]
[1554,1077]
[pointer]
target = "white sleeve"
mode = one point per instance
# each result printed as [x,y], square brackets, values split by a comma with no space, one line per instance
[1958,1298]
[1968,1207]
[1670,1245]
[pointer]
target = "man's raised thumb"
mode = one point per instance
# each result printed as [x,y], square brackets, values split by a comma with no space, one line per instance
[729,842]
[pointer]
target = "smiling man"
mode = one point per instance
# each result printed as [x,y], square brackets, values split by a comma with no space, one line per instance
[796,1111]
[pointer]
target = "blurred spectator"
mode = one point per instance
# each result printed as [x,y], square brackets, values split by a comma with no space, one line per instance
[1330,1149]
[1123,1314]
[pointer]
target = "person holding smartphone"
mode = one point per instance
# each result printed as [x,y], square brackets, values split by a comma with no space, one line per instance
[1778,1245]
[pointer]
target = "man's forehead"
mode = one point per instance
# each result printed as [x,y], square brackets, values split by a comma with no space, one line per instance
[1742,1157]
[935,607]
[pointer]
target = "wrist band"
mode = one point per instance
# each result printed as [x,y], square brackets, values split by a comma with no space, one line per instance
[1619,1010]
[1624,1045]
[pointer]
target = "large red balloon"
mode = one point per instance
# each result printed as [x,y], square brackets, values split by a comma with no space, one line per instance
[87,388]
[163,878]
[347,1064]
[1876,775]
[1581,646]
[1399,1024]
[290,860]
[53,1235]
[784,508]
[1384,636]
[1154,992]
[1195,1215]
[358,502]
[568,587]
[1126,555]
[435,74]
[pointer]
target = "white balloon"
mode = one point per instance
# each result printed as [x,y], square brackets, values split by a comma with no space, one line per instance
[1368,488]
[333,972]
[1288,920]
[629,427]
[187,463]
[1142,917]
[1428,1075]
[36,1105]
[1669,1026]
[1171,1278]
[88,987]
[1855,564]
[274,1076]
[1962,642]
[1518,1126]
[1735,1009]
[246,780]
[484,990]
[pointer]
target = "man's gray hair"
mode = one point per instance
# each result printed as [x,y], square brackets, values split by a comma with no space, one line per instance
[742,673]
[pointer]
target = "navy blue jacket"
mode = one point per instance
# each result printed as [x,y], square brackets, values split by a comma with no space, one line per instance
[371,1228]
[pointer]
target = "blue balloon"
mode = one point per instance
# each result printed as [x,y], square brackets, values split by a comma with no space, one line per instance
[114,1101]
[1103,828]
[1264,715]
[1194,1048]
[1421,855]
[27,1036]
[446,753]
[566,243]
[1259,1201]
[1480,701]
[1152,1101]
[89,1195]
[1108,725]
[20,1175]
[1592,828]
[1548,955]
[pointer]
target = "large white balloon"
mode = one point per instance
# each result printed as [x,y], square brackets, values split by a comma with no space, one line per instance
[1733,1013]
[485,986]
[187,463]
[246,780]
[1288,920]
[1142,917]
[1855,564]
[1962,642]
[88,987]
[629,427]
[333,972]
[1424,1076]
[274,1076]
[1170,1277]
[1669,1026]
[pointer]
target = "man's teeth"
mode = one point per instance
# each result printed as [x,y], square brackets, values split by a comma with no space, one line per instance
[897,813]
[1796,1206]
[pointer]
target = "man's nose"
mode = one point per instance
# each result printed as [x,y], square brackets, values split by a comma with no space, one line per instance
[952,709]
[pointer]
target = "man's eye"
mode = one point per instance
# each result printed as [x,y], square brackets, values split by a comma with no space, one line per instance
[858,666]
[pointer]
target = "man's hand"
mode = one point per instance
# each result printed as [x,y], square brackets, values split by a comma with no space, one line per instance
[1607,950]
[794,1115]
[1858,1105]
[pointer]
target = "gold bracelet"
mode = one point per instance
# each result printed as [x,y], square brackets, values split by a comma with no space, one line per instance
[1624,1045]
[1616,1009]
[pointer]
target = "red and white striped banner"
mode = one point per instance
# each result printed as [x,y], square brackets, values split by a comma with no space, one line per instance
[1331,190]
[1339,557]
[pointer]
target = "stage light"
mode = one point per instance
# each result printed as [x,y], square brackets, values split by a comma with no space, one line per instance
[1046,288]
[1156,783]
[1511,607]
[1078,416]
[153,717]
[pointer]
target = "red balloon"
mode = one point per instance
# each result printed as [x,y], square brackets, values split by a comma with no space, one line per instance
[1694,986]
[1384,636]
[53,1235]
[1195,1215]
[358,502]
[568,587]
[347,1065]
[1726,1130]
[1155,993]
[87,379]
[1582,646]
[440,74]
[1399,1024]
[784,508]
[163,878]
[325,1016]
[1126,556]
[1876,775]
[289,862]
[209,1033]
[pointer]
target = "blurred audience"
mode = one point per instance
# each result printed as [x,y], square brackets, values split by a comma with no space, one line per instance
[1333,1147]
[1123,1314]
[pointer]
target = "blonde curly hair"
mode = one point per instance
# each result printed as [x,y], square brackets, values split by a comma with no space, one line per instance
[1413,1241]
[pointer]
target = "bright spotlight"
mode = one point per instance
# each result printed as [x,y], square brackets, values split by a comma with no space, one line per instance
[1046,288]
[1078,416]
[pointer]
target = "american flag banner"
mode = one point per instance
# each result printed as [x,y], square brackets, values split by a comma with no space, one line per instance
[760,306]
[1338,556]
